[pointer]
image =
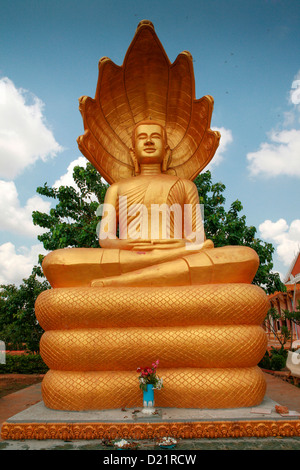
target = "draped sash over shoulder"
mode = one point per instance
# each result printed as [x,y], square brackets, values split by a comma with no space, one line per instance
[142,202]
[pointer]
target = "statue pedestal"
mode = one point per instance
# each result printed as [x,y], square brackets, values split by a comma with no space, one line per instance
[39,422]
[208,339]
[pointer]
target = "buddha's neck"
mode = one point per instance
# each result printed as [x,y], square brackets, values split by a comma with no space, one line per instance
[150,169]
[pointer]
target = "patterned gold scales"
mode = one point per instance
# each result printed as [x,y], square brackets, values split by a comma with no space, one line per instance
[207,344]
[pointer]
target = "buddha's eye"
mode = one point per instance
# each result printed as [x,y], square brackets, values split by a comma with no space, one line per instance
[155,136]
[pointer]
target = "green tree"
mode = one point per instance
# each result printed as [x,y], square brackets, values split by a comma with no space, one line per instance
[73,222]
[294,317]
[230,228]
[19,328]
[282,336]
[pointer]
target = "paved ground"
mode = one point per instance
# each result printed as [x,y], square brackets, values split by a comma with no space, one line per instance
[278,390]
[184,445]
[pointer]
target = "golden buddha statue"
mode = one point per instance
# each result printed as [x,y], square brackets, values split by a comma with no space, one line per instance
[147,261]
[159,289]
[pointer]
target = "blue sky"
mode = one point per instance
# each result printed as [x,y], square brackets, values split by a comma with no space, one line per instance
[246,55]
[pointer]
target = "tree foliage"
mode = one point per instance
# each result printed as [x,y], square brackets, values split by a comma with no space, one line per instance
[230,228]
[283,335]
[293,315]
[19,328]
[73,221]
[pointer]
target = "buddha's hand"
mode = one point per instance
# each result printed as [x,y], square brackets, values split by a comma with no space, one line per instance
[128,244]
[164,244]
[141,244]
[167,244]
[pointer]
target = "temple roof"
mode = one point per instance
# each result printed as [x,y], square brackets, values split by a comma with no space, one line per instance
[294,268]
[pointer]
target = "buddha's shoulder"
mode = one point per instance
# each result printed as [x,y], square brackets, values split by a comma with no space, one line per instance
[145,180]
[188,184]
[178,179]
[125,185]
[185,184]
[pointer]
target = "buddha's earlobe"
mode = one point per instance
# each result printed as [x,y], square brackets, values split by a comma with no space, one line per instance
[166,160]
[134,161]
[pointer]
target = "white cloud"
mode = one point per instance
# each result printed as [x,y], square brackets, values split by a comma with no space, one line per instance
[286,238]
[15,265]
[281,275]
[24,135]
[295,90]
[67,178]
[280,157]
[281,154]
[271,230]
[16,218]
[226,139]
[289,118]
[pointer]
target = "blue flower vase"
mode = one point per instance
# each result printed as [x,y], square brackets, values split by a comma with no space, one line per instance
[148,399]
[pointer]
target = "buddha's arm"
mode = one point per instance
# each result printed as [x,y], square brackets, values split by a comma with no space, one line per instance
[107,234]
[109,224]
[193,217]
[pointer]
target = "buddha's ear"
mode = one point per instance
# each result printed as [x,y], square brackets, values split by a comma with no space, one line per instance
[167,159]
[134,161]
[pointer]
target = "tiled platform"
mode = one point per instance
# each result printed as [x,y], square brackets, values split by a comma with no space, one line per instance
[38,413]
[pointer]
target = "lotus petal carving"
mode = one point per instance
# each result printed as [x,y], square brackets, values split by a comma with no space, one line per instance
[147,86]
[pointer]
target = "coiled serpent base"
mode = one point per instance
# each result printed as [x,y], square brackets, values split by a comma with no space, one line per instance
[207,338]
[183,388]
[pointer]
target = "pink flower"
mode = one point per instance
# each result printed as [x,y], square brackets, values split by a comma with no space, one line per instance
[146,371]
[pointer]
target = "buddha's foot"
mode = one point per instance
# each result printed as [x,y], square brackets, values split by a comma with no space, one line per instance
[100,283]
[174,273]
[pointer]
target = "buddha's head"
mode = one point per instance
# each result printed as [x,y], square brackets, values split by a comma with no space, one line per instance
[149,145]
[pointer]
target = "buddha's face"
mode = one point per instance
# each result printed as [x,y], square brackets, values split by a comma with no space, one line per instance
[150,144]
